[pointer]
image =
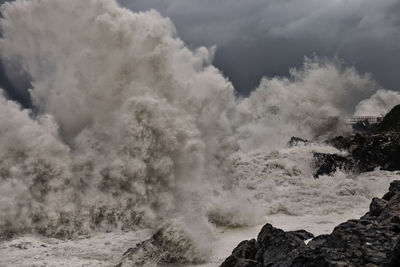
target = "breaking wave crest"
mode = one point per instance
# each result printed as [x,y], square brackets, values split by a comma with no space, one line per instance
[131,129]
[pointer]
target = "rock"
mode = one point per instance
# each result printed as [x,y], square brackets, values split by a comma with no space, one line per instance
[393,190]
[233,261]
[302,234]
[340,142]
[276,247]
[377,150]
[169,245]
[391,122]
[246,250]
[376,207]
[295,141]
[379,147]
[372,150]
[330,163]
[372,240]
[273,247]
[394,256]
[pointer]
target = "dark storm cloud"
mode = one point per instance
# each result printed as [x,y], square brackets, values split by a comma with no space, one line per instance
[259,37]
[14,82]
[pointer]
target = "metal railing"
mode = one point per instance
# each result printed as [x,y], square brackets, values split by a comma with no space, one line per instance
[369,119]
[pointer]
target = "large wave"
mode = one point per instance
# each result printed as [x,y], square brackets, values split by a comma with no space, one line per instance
[130,128]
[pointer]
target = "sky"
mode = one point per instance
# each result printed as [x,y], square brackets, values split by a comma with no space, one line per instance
[256,38]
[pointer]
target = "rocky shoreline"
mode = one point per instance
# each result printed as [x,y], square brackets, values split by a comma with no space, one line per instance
[379,147]
[372,240]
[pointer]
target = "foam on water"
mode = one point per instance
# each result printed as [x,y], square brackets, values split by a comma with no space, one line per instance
[132,130]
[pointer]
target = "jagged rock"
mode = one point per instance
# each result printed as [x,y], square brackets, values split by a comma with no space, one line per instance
[295,141]
[340,142]
[273,247]
[169,245]
[233,261]
[391,122]
[329,163]
[378,150]
[376,207]
[373,240]
[370,151]
[394,256]
[378,147]
[393,190]
[276,247]
[246,249]
[302,234]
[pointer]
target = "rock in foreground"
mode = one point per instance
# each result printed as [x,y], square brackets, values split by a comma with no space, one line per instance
[372,240]
[169,245]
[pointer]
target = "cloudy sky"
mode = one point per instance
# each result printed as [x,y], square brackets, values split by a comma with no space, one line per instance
[267,37]
[256,38]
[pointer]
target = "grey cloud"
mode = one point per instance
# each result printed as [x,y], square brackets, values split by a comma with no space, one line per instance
[258,37]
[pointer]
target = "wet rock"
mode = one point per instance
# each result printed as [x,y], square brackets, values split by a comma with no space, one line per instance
[273,247]
[169,245]
[276,247]
[329,163]
[295,141]
[340,142]
[302,234]
[377,150]
[233,261]
[246,249]
[394,256]
[379,147]
[393,190]
[376,207]
[391,122]
[373,240]
[370,151]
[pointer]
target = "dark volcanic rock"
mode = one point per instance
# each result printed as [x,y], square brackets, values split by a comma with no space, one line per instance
[376,207]
[340,142]
[393,190]
[276,247]
[377,150]
[373,240]
[169,245]
[273,247]
[391,122]
[379,147]
[295,141]
[329,163]
[302,234]
[233,261]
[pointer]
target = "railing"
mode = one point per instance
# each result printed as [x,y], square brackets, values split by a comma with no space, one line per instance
[368,119]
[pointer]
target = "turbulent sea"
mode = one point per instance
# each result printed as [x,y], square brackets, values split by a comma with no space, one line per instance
[132,131]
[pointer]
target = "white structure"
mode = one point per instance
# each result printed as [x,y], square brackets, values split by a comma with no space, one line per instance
[368,119]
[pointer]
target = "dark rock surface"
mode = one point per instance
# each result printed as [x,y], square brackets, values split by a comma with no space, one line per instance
[373,240]
[273,247]
[378,147]
[302,234]
[295,141]
[169,245]
[329,163]
[391,122]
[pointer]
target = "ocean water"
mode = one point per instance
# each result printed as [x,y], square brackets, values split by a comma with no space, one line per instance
[131,131]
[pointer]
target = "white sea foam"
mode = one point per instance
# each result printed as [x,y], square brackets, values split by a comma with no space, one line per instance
[132,130]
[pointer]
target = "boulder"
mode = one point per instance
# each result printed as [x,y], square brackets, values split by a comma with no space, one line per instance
[295,141]
[379,147]
[372,240]
[330,163]
[391,122]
